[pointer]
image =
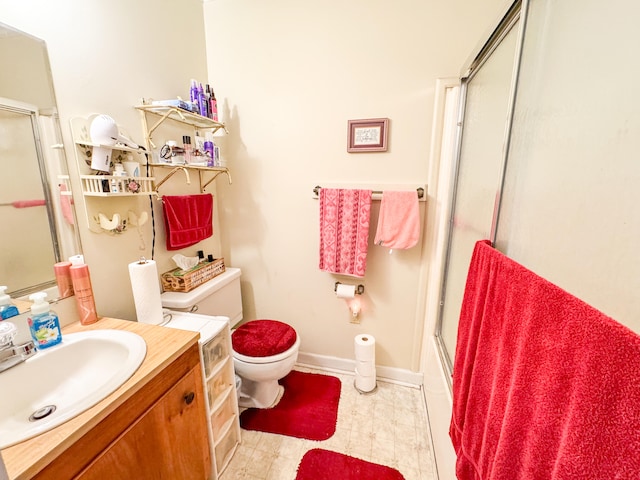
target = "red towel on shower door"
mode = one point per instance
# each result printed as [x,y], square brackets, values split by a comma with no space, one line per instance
[188,219]
[545,387]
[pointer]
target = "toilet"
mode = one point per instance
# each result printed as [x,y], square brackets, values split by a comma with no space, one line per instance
[267,350]
[264,351]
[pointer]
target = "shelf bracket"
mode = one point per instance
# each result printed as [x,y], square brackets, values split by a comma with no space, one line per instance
[170,174]
[203,187]
[162,118]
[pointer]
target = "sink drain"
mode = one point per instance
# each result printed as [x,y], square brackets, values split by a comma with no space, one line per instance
[42,413]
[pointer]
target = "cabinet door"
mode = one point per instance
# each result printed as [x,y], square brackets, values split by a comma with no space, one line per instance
[168,442]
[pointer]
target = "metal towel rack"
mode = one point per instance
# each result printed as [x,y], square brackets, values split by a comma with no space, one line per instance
[186,168]
[420,191]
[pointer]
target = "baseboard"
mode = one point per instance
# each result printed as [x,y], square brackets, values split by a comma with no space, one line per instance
[348,366]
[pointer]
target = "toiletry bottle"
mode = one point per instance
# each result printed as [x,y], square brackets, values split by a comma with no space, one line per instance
[43,323]
[208,149]
[216,157]
[213,106]
[186,144]
[201,101]
[7,309]
[118,170]
[193,91]
[84,293]
[207,100]
[210,99]
[63,279]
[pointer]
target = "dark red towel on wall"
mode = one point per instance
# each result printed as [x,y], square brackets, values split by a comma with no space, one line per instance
[545,387]
[188,219]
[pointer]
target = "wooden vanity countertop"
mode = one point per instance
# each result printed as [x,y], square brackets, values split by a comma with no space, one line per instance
[164,345]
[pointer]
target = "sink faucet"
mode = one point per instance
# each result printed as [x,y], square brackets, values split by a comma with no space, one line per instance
[10,354]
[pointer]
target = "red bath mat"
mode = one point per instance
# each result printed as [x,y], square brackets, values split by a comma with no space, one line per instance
[318,464]
[308,409]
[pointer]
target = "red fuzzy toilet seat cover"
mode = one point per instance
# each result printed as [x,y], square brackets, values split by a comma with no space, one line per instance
[263,338]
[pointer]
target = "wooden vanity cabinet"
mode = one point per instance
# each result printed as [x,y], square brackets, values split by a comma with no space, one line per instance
[158,433]
[165,442]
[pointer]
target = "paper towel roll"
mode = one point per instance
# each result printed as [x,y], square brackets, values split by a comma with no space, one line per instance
[365,348]
[345,291]
[146,291]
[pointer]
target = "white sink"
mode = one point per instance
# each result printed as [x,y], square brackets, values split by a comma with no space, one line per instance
[71,376]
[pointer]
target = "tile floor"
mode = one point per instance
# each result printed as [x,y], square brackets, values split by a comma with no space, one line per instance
[388,427]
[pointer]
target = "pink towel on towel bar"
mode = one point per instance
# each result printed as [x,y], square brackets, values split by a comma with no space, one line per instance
[545,387]
[344,230]
[399,220]
[188,219]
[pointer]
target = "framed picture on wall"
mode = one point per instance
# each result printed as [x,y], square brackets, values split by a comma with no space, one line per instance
[367,135]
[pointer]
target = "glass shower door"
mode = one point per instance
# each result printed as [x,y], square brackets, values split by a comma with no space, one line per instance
[24,201]
[487,93]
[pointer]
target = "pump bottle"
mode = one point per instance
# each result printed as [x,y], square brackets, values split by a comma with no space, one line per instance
[7,309]
[43,323]
[83,293]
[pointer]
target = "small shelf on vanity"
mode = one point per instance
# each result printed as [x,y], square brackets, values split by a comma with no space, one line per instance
[93,186]
[119,147]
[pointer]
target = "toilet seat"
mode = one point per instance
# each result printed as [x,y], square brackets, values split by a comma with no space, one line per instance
[263,341]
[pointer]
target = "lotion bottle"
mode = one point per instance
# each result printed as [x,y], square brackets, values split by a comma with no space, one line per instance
[83,293]
[63,279]
[43,323]
[7,309]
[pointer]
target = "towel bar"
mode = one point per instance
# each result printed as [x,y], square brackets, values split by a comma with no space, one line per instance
[420,191]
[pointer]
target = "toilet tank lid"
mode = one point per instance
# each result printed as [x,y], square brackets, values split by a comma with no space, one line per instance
[188,299]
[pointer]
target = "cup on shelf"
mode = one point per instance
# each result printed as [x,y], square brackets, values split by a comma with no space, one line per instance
[132,168]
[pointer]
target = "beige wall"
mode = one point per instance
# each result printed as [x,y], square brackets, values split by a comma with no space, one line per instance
[288,75]
[105,56]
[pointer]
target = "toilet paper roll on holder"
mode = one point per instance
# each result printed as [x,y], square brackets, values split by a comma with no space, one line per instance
[359,288]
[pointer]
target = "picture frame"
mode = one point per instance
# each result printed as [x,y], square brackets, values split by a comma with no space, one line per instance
[367,135]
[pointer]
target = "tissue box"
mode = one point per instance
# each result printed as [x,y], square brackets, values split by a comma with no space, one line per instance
[178,280]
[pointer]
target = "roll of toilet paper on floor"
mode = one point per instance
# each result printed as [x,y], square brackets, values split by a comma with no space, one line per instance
[366,368]
[365,383]
[146,291]
[345,291]
[365,348]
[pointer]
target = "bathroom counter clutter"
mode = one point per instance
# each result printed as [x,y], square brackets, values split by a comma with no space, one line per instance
[162,399]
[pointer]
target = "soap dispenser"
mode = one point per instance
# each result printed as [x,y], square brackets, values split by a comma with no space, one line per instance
[7,310]
[43,323]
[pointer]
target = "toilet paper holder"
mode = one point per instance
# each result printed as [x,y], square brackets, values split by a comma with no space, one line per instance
[359,288]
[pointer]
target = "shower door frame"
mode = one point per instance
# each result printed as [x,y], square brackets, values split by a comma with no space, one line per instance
[515,17]
[30,113]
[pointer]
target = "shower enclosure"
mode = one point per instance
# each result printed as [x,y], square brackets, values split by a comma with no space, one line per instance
[547,164]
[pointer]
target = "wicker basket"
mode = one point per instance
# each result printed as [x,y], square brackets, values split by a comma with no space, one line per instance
[178,280]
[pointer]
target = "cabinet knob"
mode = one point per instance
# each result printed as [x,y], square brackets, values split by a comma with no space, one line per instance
[188,397]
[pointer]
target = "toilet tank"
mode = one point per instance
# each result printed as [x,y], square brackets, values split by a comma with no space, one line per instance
[218,296]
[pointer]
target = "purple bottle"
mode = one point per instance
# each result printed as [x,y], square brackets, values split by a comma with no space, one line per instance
[193,91]
[202,101]
[208,148]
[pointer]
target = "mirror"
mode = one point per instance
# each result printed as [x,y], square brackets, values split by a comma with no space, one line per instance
[36,211]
